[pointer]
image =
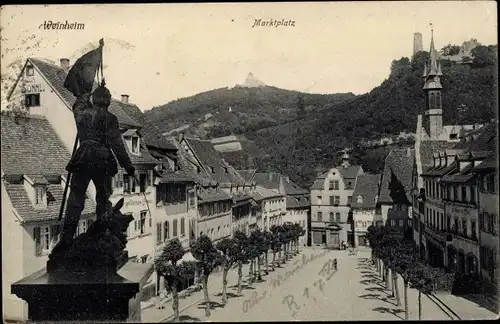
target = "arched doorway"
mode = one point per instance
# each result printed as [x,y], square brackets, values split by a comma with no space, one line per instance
[471,264]
[452,258]
[461,261]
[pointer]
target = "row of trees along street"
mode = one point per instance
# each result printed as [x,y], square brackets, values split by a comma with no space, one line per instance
[393,253]
[282,241]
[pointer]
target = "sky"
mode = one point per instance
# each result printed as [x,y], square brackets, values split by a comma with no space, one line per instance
[157,53]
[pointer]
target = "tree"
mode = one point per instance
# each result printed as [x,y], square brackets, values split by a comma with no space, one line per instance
[275,243]
[208,258]
[254,251]
[484,56]
[421,279]
[230,253]
[243,245]
[268,242]
[404,262]
[167,267]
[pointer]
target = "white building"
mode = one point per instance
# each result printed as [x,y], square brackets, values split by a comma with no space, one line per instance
[33,179]
[41,88]
[364,205]
[331,198]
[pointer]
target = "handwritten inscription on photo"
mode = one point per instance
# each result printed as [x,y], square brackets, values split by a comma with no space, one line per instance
[326,273]
[255,298]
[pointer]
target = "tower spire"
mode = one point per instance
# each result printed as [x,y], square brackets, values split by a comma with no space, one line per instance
[433,68]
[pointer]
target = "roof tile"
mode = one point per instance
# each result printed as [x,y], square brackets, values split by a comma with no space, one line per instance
[397,172]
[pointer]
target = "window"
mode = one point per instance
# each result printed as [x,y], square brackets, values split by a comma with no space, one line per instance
[332,200]
[473,229]
[144,259]
[472,194]
[464,227]
[332,219]
[336,200]
[218,231]
[320,216]
[135,145]
[490,183]
[143,222]
[337,217]
[349,200]
[191,200]
[334,185]
[166,231]
[40,196]
[158,233]
[174,234]
[46,238]
[183,226]
[142,182]
[349,185]
[464,194]
[393,222]
[30,70]
[126,183]
[32,100]
[319,200]
[83,224]
[401,223]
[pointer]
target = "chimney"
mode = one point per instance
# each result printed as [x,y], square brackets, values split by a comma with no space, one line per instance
[181,136]
[64,64]
[125,98]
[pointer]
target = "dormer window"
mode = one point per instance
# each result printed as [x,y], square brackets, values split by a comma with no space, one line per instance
[453,136]
[212,169]
[225,169]
[360,199]
[132,140]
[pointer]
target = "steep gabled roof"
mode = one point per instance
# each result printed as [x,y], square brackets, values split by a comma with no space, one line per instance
[55,76]
[269,180]
[350,172]
[31,146]
[151,133]
[486,140]
[397,176]
[367,186]
[211,160]
[428,148]
[247,175]
[21,202]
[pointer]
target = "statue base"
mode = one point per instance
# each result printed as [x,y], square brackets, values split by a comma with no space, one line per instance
[63,265]
[60,296]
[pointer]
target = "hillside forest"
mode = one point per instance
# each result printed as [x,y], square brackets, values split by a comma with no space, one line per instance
[301,134]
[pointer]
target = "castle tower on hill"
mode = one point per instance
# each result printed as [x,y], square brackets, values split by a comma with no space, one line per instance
[417,43]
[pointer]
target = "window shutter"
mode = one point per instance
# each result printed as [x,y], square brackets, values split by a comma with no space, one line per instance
[36,237]
[55,230]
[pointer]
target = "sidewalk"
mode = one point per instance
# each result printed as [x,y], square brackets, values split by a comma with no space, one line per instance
[151,314]
[462,307]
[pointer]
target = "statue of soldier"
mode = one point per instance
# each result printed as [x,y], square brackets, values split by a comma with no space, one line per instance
[100,141]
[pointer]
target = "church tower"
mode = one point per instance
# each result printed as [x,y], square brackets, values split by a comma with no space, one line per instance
[432,89]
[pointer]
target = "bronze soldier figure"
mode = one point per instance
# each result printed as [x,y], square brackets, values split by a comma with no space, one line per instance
[100,141]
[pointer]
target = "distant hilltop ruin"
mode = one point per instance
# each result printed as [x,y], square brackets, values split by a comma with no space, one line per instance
[252,82]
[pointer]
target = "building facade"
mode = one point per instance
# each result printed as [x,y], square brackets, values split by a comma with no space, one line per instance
[487,175]
[296,206]
[331,198]
[431,137]
[33,181]
[364,206]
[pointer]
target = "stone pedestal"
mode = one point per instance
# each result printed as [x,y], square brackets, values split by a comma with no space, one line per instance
[97,297]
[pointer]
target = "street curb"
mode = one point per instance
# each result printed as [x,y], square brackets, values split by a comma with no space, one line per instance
[446,306]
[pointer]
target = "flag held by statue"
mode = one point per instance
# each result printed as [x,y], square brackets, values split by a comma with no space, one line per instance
[80,78]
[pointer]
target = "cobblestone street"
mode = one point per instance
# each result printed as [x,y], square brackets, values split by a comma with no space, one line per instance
[353,292]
